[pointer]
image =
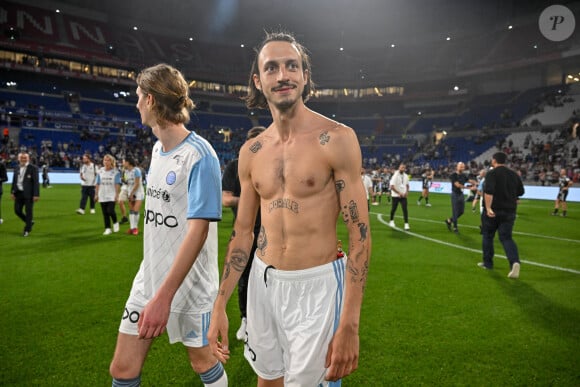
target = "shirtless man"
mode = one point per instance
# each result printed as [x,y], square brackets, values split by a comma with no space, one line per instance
[303,304]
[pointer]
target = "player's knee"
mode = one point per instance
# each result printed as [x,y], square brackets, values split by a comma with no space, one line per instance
[122,371]
[200,366]
[202,360]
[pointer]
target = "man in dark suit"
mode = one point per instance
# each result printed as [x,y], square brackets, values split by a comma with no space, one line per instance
[25,190]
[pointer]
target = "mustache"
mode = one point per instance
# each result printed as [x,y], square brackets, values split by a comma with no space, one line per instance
[283,85]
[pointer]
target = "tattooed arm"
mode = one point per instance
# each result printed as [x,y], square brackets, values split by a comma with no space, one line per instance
[237,256]
[343,351]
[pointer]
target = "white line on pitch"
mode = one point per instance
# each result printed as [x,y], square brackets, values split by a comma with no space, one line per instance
[474,227]
[380,218]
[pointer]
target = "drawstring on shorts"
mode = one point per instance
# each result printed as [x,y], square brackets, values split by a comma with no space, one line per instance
[266,274]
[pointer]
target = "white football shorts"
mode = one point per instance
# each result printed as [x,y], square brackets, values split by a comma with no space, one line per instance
[187,328]
[291,318]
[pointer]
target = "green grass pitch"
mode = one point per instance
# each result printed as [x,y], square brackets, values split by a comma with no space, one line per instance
[430,316]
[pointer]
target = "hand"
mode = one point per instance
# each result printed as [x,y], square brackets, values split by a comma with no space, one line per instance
[490,213]
[218,328]
[153,319]
[342,356]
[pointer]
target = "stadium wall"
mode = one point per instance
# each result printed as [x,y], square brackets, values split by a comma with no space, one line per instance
[532,191]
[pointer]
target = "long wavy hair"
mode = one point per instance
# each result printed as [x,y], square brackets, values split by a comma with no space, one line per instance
[170,92]
[255,98]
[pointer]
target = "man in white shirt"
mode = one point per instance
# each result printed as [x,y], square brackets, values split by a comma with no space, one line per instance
[88,174]
[178,279]
[399,192]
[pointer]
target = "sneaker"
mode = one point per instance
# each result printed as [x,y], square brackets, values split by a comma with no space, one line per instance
[515,273]
[456,231]
[448,224]
[407,228]
[241,333]
[124,220]
[25,234]
[1,220]
[392,223]
[135,231]
[92,210]
[375,203]
[107,231]
[428,205]
[80,211]
[482,265]
[129,231]
[418,203]
[116,227]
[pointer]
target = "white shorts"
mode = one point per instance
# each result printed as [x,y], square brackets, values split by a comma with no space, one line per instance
[187,328]
[292,316]
[139,195]
[123,194]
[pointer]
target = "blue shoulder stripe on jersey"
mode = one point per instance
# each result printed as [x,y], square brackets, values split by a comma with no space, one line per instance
[200,144]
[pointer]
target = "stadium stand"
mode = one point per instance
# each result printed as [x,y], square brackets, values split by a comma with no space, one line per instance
[64,102]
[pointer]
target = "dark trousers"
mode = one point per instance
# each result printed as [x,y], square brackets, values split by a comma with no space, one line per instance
[87,192]
[503,223]
[109,214]
[23,208]
[243,282]
[457,207]
[403,201]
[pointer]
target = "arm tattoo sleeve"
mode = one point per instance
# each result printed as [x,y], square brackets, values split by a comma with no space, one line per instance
[363,228]
[238,260]
[353,210]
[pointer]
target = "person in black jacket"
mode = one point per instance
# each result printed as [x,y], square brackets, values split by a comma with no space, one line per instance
[459,182]
[3,178]
[501,190]
[25,190]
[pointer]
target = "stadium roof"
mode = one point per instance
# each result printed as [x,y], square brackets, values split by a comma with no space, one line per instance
[319,23]
[352,41]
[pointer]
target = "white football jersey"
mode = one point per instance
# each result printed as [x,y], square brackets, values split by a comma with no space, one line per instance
[130,176]
[182,184]
[107,180]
